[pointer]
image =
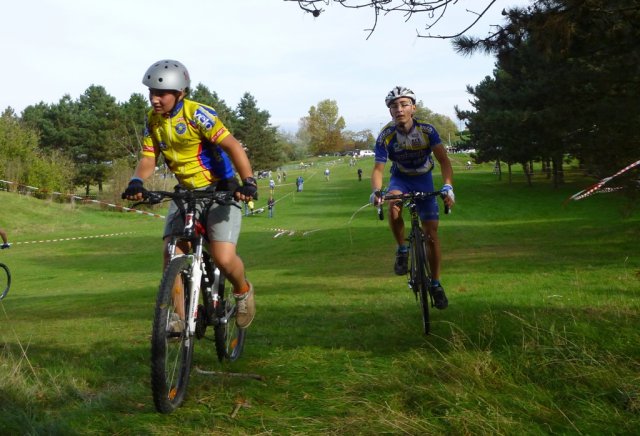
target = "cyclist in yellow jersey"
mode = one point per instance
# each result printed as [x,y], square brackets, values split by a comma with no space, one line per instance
[202,154]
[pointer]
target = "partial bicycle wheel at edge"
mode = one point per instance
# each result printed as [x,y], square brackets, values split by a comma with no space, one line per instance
[171,349]
[5,280]
[229,338]
[420,269]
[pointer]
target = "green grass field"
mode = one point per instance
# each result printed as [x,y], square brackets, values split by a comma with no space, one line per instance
[542,334]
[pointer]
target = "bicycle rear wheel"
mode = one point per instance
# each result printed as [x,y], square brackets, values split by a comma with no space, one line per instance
[171,344]
[420,276]
[229,338]
[5,280]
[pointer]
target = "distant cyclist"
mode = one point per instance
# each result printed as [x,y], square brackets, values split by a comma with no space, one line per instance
[202,154]
[410,145]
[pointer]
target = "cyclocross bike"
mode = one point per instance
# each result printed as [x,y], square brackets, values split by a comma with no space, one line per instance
[419,270]
[5,280]
[185,278]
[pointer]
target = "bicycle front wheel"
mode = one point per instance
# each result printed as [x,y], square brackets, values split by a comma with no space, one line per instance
[171,343]
[229,338]
[420,276]
[5,280]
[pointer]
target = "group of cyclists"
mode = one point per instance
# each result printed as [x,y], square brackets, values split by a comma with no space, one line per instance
[203,155]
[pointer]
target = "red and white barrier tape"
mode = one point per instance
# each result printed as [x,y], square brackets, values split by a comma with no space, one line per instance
[587,192]
[41,241]
[87,200]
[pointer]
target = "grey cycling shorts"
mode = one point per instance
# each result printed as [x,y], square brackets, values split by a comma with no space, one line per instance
[223,222]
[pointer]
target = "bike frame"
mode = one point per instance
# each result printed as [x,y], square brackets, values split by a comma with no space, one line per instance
[194,235]
[417,236]
[172,349]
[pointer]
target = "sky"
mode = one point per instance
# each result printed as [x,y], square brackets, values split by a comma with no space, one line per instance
[284,57]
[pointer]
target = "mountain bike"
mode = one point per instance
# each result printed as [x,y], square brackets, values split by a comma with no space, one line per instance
[181,316]
[419,272]
[5,280]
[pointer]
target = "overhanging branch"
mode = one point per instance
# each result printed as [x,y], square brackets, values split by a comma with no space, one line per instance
[434,10]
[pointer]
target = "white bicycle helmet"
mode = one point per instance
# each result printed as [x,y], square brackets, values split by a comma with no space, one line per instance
[397,92]
[167,74]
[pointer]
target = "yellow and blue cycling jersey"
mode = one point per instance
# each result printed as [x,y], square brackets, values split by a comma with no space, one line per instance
[410,153]
[188,139]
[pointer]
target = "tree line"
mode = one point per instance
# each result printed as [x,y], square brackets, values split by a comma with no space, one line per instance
[86,139]
[322,130]
[93,140]
[566,87]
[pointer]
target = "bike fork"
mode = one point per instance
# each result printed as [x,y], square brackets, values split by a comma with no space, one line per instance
[194,288]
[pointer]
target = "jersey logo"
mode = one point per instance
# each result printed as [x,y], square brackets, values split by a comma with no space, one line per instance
[207,120]
[215,137]
[181,128]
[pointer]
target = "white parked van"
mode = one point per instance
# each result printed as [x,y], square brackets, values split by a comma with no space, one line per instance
[363,153]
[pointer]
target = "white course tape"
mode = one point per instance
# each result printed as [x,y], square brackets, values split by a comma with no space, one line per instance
[42,241]
[86,200]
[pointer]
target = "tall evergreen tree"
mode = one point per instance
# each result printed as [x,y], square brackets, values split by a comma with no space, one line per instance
[203,95]
[257,135]
[572,67]
[99,130]
[56,123]
[132,125]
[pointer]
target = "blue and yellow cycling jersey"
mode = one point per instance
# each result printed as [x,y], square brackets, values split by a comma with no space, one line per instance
[411,152]
[188,139]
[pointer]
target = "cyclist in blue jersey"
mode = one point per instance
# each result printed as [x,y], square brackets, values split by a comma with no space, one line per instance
[410,144]
[202,154]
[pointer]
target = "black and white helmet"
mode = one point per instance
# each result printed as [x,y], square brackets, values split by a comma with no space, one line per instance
[397,92]
[168,75]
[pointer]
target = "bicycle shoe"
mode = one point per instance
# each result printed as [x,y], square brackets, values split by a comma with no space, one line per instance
[439,298]
[401,265]
[246,307]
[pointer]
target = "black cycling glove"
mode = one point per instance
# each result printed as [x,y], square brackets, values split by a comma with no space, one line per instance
[249,188]
[135,187]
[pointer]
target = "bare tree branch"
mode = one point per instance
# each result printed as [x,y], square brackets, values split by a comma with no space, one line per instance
[434,9]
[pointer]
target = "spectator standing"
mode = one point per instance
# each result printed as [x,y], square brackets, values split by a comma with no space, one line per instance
[270,204]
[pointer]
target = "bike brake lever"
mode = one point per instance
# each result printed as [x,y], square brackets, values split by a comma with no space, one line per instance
[153,197]
[149,198]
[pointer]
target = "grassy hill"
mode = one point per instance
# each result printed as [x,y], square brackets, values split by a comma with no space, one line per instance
[541,335]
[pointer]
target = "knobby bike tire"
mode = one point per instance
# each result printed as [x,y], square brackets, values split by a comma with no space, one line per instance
[5,280]
[229,338]
[421,276]
[171,352]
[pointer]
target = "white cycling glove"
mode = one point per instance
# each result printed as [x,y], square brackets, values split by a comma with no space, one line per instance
[448,190]
[374,198]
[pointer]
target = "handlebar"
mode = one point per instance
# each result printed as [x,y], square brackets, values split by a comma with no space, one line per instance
[156,197]
[412,196]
